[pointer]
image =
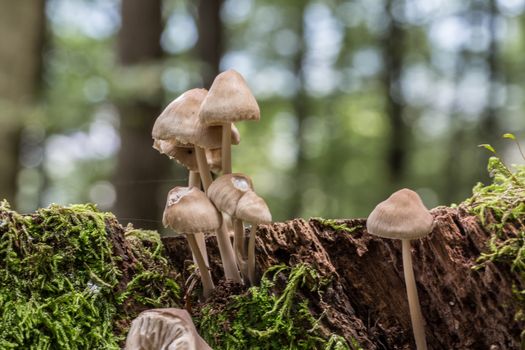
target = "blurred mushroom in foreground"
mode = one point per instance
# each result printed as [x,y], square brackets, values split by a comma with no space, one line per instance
[166,329]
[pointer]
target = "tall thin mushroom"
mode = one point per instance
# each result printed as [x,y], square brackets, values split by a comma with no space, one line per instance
[189,211]
[404,216]
[228,101]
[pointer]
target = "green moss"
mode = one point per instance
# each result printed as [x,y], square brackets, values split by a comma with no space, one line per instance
[264,318]
[62,284]
[503,202]
[336,226]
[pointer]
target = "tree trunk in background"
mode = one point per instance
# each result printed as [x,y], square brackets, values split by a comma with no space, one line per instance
[139,193]
[489,126]
[399,139]
[300,107]
[22,34]
[210,44]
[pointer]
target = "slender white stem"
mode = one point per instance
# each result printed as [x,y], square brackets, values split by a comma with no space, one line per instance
[194,180]
[207,282]
[204,169]
[418,326]
[251,255]
[238,246]
[226,148]
[227,254]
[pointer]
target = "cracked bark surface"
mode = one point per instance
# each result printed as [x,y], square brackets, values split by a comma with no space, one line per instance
[366,300]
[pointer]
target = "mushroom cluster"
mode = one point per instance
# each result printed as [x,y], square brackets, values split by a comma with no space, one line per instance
[197,130]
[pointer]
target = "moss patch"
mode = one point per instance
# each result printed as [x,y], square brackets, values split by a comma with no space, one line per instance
[336,225]
[274,315]
[72,278]
[504,202]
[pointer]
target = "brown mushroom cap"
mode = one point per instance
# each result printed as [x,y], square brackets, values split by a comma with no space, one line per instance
[253,209]
[402,216]
[229,100]
[226,191]
[180,123]
[188,210]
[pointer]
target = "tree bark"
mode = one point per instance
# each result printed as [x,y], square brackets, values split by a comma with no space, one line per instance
[210,44]
[22,34]
[366,299]
[140,195]
[398,141]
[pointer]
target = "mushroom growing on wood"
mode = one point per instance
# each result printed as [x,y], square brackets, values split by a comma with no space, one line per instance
[252,209]
[233,194]
[404,216]
[180,125]
[225,192]
[189,211]
[164,329]
[229,100]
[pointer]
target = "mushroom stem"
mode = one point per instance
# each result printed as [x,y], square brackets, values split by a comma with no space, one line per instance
[238,245]
[413,300]
[227,254]
[194,180]
[204,168]
[251,255]
[207,282]
[226,148]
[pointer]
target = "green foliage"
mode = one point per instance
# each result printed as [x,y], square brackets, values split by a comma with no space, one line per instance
[61,282]
[504,202]
[266,319]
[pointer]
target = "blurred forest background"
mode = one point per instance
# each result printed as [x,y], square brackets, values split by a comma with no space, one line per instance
[358,98]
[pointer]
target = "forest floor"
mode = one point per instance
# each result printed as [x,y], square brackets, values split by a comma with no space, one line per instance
[73,278]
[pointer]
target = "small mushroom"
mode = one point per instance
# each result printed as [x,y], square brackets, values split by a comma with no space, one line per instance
[164,329]
[189,211]
[229,100]
[252,209]
[225,192]
[404,216]
[233,195]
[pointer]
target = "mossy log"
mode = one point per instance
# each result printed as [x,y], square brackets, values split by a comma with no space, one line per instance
[464,307]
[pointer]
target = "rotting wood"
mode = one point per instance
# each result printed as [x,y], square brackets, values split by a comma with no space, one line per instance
[366,300]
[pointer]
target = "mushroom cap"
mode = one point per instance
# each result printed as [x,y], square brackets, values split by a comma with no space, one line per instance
[186,157]
[180,122]
[229,100]
[402,216]
[188,211]
[164,329]
[253,209]
[226,191]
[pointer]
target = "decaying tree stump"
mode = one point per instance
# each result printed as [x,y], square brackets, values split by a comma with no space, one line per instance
[464,308]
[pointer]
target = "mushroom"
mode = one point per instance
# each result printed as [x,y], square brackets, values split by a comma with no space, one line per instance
[404,216]
[189,211]
[229,100]
[252,209]
[225,192]
[179,123]
[164,329]
[233,195]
